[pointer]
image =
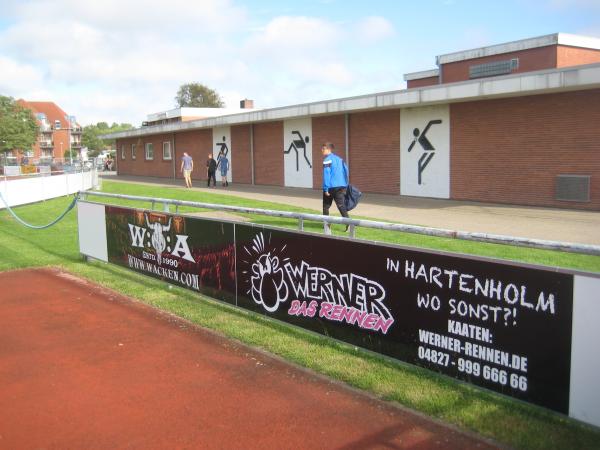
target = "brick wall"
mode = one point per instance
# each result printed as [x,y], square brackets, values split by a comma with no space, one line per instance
[510,150]
[198,144]
[157,167]
[240,154]
[268,153]
[326,129]
[421,82]
[375,151]
[59,136]
[575,56]
[529,60]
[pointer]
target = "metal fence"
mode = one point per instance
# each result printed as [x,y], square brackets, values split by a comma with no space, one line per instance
[353,223]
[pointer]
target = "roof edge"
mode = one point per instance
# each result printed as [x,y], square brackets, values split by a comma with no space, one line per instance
[422,74]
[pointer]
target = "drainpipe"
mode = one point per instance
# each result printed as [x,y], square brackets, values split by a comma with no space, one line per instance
[346,142]
[252,152]
[174,160]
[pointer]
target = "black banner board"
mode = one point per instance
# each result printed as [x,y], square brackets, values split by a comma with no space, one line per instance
[496,325]
[502,326]
[192,253]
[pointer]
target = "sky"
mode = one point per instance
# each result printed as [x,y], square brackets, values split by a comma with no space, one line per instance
[118,61]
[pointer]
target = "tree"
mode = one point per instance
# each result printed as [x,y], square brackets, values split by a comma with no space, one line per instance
[90,137]
[18,127]
[197,95]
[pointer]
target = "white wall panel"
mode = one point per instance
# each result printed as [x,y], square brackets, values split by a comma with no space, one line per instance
[425,151]
[297,157]
[91,220]
[33,189]
[222,141]
[584,401]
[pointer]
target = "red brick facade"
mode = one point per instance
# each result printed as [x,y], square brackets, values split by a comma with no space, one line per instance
[574,56]
[198,144]
[326,129]
[529,60]
[241,162]
[375,151]
[510,150]
[268,153]
[422,82]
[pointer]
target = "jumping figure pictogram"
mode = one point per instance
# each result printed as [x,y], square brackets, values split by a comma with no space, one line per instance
[429,149]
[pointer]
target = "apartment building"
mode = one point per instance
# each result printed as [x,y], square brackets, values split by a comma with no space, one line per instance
[58,132]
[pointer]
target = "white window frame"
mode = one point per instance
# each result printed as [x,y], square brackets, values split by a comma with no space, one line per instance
[149,147]
[132,151]
[167,145]
[122,151]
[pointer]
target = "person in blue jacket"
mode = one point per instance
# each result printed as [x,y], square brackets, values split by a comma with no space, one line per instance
[335,180]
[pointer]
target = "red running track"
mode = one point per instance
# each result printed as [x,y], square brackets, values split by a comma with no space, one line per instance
[82,367]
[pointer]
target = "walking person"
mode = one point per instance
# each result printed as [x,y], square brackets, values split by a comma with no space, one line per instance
[223,164]
[335,180]
[187,166]
[211,168]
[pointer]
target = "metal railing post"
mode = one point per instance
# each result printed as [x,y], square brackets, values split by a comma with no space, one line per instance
[301,224]
[351,231]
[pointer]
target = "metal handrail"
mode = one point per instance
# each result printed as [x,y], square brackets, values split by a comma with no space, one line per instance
[570,247]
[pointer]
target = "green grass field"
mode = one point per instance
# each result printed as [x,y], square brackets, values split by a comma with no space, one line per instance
[509,422]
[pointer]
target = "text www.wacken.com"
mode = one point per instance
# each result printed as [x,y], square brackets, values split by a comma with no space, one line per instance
[187,279]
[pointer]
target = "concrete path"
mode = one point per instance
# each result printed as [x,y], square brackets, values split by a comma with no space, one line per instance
[529,222]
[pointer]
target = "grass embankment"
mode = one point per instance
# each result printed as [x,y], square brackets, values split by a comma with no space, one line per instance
[507,421]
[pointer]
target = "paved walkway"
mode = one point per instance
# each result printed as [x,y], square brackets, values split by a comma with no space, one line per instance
[521,221]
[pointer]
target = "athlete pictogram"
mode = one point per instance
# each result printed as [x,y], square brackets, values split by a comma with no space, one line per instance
[296,145]
[426,157]
[224,150]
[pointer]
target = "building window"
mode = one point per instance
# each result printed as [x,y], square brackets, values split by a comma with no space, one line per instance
[149,150]
[57,124]
[166,150]
[132,151]
[122,152]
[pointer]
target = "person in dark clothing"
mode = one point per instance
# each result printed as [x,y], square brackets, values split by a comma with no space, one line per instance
[211,169]
[335,180]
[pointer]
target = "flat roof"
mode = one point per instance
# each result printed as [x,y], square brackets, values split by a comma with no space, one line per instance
[194,112]
[514,85]
[571,40]
[422,74]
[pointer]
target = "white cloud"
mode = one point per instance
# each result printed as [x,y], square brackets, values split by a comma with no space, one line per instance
[290,35]
[373,29]
[133,15]
[16,77]
[119,61]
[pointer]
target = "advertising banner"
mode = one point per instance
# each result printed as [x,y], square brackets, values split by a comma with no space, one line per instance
[503,327]
[184,251]
[499,325]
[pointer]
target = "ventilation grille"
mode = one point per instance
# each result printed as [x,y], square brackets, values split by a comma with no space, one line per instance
[573,188]
[493,68]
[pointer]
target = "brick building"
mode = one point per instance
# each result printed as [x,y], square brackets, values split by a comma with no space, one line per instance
[57,131]
[511,123]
